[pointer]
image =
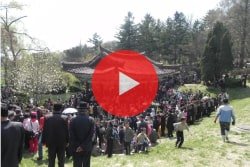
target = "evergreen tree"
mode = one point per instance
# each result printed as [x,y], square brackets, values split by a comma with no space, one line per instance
[198,41]
[209,59]
[226,56]
[128,34]
[96,40]
[75,53]
[217,57]
[177,35]
[146,39]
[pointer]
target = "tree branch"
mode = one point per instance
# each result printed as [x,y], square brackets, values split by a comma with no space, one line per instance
[23,33]
[13,21]
[4,21]
[37,50]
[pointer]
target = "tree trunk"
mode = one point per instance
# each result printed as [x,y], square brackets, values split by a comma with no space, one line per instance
[5,66]
[6,72]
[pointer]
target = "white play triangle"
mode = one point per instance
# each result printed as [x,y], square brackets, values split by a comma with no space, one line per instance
[126,83]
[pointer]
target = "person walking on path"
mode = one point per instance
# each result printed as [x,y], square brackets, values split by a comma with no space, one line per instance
[225,114]
[179,128]
[81,130]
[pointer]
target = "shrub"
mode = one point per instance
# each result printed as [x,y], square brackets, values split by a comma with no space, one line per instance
[74,88]
[70,79]
[233,83]
[59,91]
[24,98]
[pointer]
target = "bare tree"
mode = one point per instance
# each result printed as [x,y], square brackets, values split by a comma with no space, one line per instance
[11,45]
[238,21]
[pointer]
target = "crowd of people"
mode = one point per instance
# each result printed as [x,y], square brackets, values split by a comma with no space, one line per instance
[92,130]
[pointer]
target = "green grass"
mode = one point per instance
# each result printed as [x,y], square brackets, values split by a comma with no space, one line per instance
[202,146]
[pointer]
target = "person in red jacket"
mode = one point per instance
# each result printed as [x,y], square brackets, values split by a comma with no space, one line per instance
[34,127]
[41,125]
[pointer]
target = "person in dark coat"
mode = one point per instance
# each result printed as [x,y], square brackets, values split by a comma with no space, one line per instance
[156,123]
[55,136]
[142,124]
[121,134]
[95,111]
[81,129]
[163,124]
[12,140]
[18,117]
[170,124]
[110,139]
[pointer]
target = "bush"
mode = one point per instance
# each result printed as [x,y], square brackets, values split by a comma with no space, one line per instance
[199,87]
[74,88]
[70,79]
[59,91]
[233,83]
[24,98]
[73,83]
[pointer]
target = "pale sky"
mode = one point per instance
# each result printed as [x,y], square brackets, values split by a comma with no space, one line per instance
[62,24]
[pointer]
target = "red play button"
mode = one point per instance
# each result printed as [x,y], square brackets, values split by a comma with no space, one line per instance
[124,83]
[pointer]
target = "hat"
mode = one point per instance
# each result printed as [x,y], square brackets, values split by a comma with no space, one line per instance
[57,107]
[83,105]
[33,113]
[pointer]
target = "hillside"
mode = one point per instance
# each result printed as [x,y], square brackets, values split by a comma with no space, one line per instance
[202,147]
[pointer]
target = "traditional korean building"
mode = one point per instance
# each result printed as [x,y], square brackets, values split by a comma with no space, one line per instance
[84,70]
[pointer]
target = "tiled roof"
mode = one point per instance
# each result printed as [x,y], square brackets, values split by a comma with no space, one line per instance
[87,68]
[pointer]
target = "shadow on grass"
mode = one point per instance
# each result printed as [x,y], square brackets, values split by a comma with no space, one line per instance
[197,122]
[154,144]
[28,155]
[41,162]
[186,148]
[46,162]
[69,160]
[237,144]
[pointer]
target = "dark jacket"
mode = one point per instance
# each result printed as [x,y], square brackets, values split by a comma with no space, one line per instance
[12,138]
[109,133]
[81,131]
[170,121]
[55,131]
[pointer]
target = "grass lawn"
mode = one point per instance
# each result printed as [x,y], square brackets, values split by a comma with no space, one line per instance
[202,147]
